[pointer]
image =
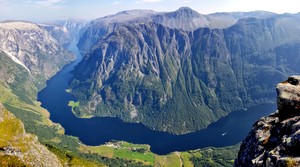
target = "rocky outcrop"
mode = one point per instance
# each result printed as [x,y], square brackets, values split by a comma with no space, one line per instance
[289,97]
[20,148]
[275,140]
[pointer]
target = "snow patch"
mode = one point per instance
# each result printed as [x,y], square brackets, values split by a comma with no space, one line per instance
[17,61]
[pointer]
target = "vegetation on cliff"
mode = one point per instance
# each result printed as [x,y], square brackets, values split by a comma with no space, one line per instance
[18,96]
[180,81]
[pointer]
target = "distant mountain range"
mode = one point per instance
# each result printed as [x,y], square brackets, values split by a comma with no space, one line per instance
[180,71]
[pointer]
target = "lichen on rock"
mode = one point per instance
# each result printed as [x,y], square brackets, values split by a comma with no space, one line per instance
[288,99]
[275,140]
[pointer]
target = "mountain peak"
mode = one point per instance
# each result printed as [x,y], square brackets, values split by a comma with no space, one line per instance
[275,140]
[186,11]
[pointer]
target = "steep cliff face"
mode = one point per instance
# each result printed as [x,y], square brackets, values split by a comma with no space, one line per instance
[60,33]
[275,140]
[181,81]
[139,67]
[18,148]
[154,74]
[34,48]
[18,94]
[96,29]
[184,18]
[64,31]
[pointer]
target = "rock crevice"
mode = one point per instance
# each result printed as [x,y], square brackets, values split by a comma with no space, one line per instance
[275,140]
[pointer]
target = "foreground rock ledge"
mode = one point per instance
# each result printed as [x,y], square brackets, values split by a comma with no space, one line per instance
[288,99]
[275,140]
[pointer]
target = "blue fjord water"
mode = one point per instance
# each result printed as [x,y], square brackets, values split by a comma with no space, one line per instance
[229,130]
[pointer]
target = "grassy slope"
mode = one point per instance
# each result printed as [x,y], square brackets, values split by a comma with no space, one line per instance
[26,149]
[18,95]
[202,157]
[9,128]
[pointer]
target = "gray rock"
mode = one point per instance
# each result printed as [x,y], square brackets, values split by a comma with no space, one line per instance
[275,140]
[288,99]
[31,46]
[172,75]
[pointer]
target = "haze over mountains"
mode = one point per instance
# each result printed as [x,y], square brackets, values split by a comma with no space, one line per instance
[184,18]
[171,71]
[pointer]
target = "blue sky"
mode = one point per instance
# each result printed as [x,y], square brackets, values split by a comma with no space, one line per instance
[43,10]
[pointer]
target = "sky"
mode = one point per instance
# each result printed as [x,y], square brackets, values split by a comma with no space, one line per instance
[47,10]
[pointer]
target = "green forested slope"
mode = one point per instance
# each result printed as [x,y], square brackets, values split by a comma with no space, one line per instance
[181,81]
[18,96]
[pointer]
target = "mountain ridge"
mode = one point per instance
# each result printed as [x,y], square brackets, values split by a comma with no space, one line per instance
[169,19]
[205,70]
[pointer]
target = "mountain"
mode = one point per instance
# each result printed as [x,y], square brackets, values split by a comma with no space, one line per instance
[29,138]
[73,26]
[17,147]
[60,33]
[227,19]
[180,81]
[31,46]
[184,18]
[63,30]
[98,28]
[275,140]
[40,142]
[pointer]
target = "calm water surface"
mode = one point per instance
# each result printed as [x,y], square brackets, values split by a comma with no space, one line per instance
[229,130]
